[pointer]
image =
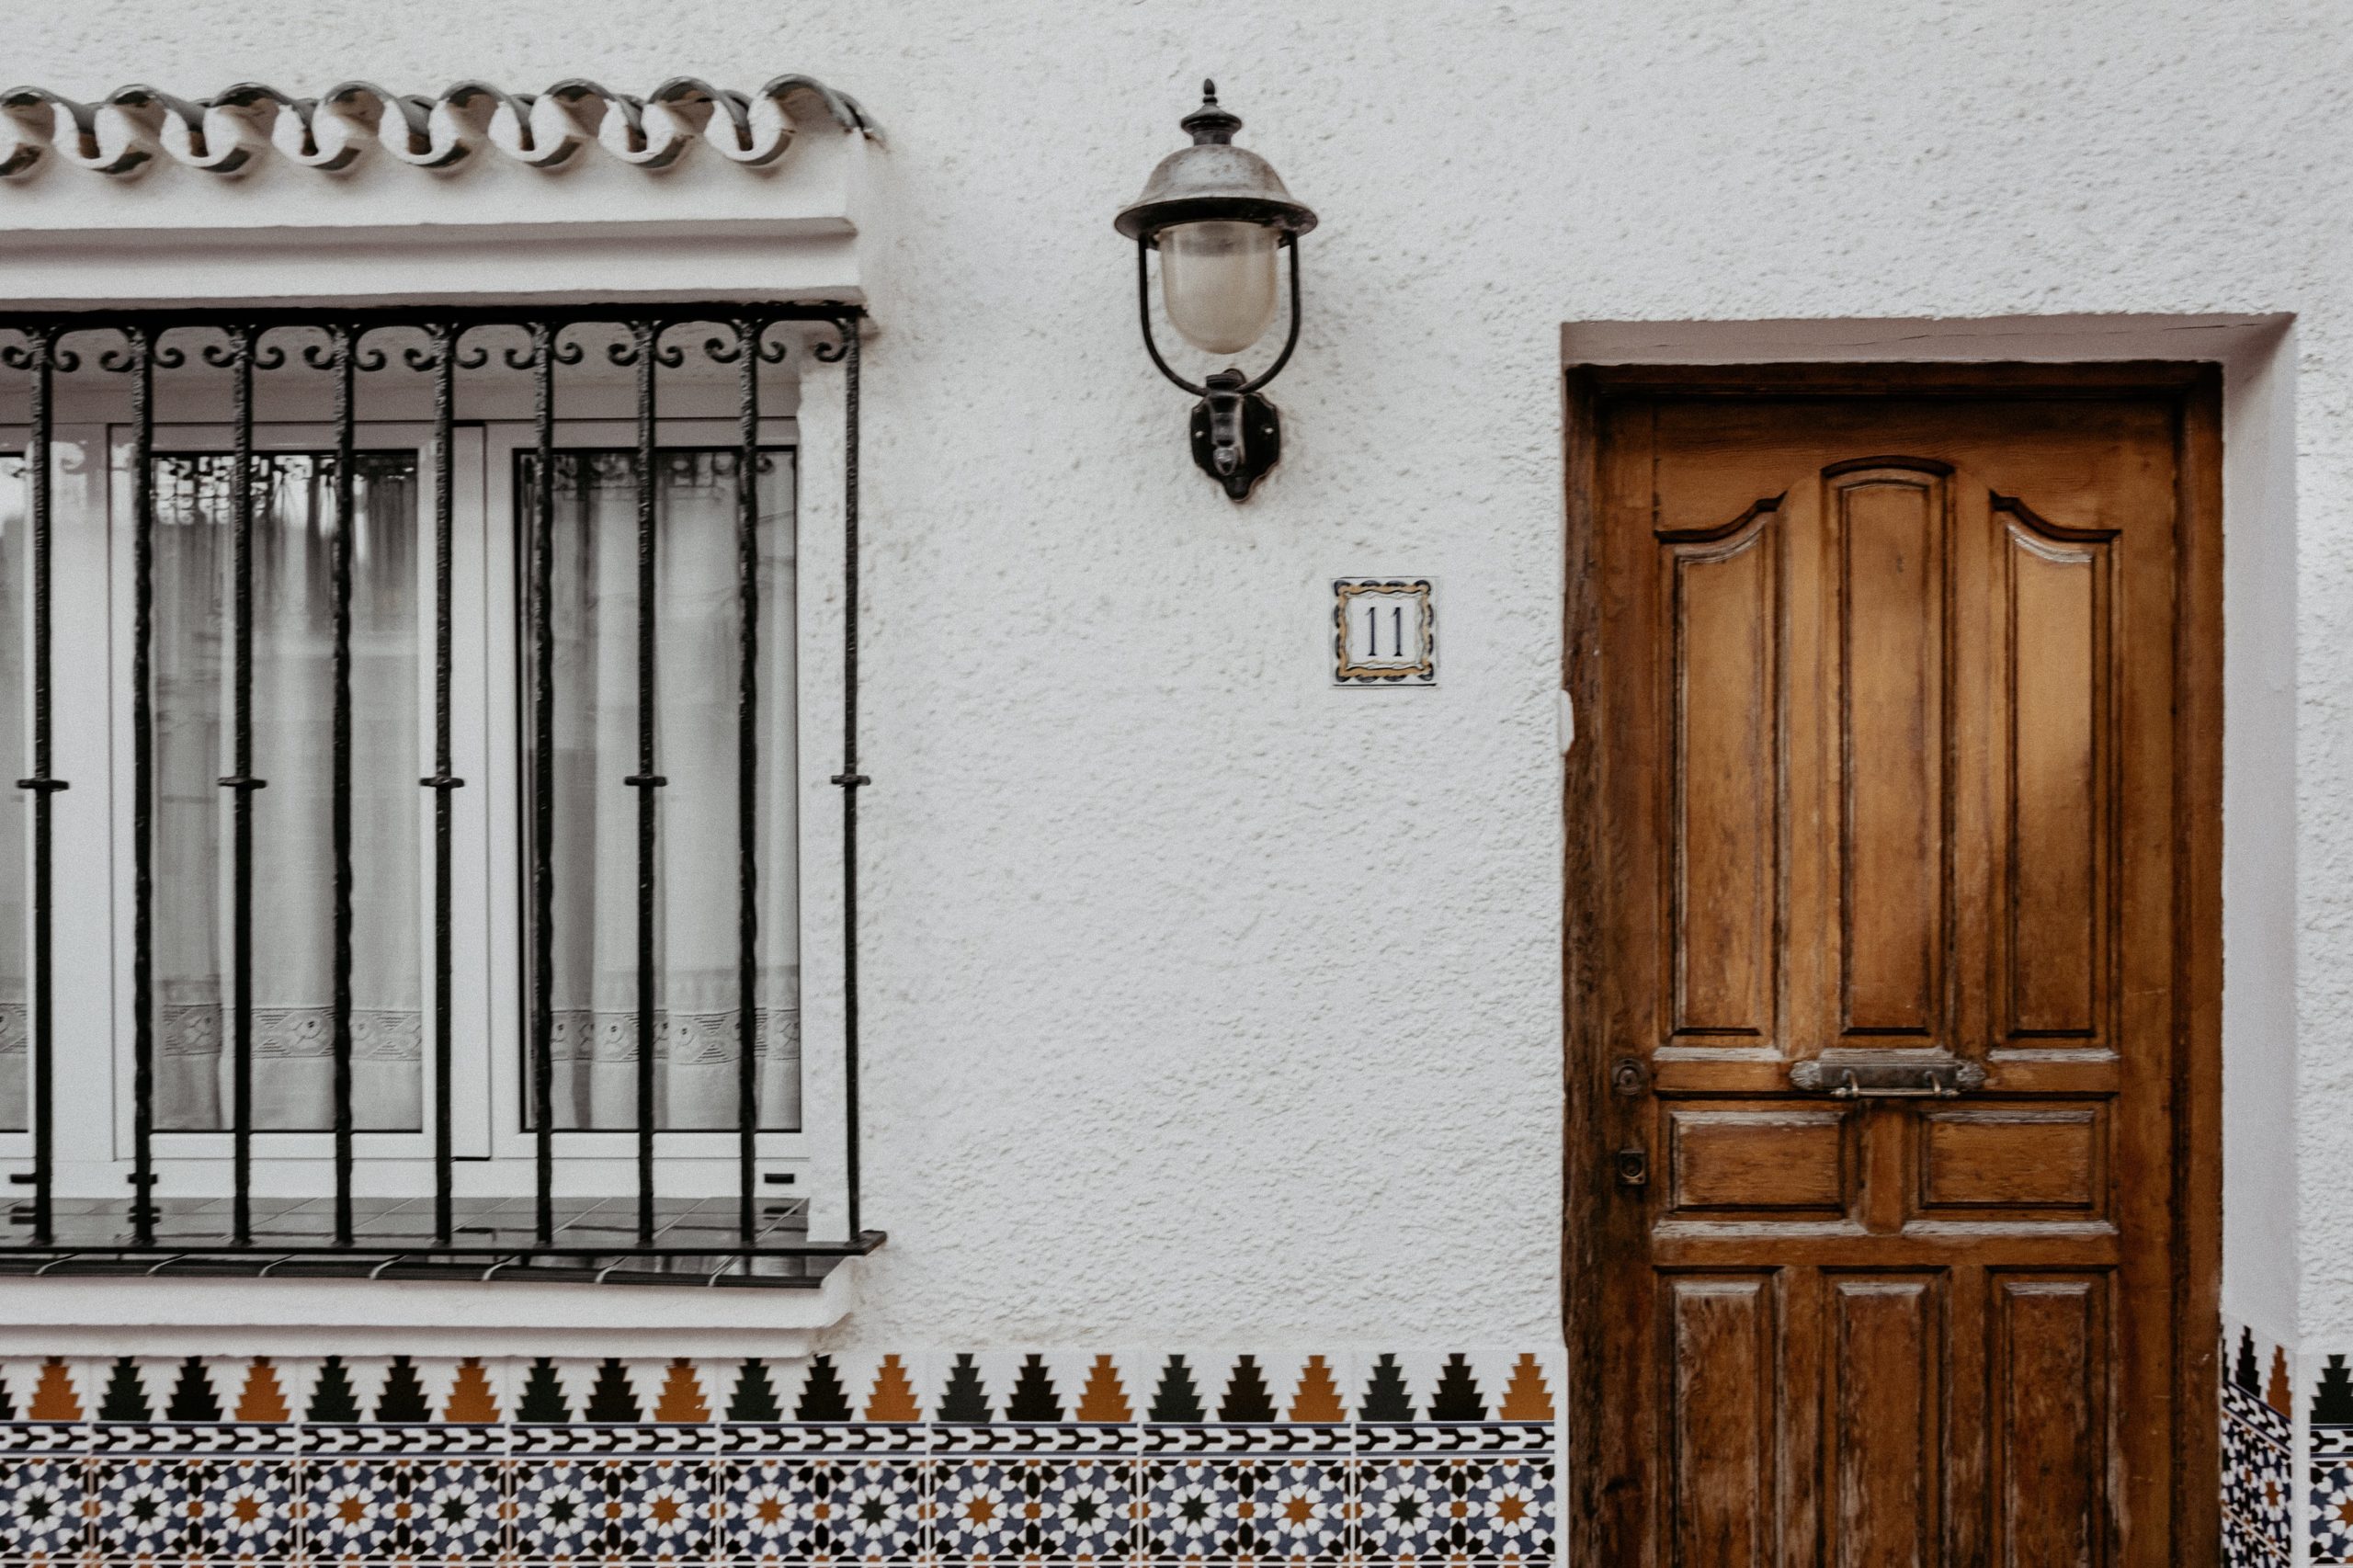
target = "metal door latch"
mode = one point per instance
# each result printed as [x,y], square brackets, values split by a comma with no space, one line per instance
[1942,1079]
[1627,1077]
[1634,1168]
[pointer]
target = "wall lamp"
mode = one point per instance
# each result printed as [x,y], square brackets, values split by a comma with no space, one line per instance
[1217,213]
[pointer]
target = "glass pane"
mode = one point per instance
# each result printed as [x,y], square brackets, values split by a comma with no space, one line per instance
[293,732]
[15,762]
[697,985]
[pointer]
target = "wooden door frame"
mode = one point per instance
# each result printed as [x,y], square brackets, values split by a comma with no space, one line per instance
[2195,389]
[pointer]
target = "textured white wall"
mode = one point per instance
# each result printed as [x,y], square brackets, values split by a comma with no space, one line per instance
[1207,1000]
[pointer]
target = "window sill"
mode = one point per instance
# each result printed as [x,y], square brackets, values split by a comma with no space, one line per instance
[196,1315]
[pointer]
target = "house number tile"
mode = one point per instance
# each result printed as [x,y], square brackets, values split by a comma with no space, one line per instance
[1384,632]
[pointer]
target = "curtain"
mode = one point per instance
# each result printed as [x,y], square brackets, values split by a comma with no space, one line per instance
[293,725]
[15,762]
[696,1039]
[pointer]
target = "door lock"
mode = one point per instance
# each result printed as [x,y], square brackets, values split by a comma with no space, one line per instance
[1634,1168]
[1627,1077]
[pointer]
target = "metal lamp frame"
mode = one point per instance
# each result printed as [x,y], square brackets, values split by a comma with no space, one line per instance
[1237,435]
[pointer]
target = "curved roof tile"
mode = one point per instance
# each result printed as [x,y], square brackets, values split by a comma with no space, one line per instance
[133,126]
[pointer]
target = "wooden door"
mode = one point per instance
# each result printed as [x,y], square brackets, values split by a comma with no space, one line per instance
[1892,961]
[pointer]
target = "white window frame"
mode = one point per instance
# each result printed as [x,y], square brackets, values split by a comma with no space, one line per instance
[713,1154]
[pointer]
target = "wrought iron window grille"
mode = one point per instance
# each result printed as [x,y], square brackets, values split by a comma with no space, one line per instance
[752,1238]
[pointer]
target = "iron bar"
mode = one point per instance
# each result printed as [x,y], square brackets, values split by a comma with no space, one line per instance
[850,779]
[240,781]
[42,363]
[347,519]
[139,359]
[645,780]
[542,630]
[443,779]
[747,757]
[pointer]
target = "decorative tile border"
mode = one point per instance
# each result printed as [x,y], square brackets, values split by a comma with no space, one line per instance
[966,1459]
[2330,1458]
[2258,1450]
[977,1459]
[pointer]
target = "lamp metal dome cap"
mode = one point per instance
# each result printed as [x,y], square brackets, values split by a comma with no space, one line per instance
[1213,179]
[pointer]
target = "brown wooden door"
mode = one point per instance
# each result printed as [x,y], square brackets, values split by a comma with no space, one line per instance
[1885,783]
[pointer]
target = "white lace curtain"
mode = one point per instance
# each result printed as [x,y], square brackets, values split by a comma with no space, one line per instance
[697,1030]
[15,762]
[292,722]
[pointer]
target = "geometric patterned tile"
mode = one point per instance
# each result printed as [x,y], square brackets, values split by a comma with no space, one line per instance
[40,1505]
[1059,1439]
[245,1508]
[2332,1511]
[1083,1509]
[43,1437]
[1218,1438]
[453,1511]
[143,1508]
[1426,1437]
[979,1511]
[721,1476]
[1193,1509]
[2257,1415]
[661,1510]
[1512,1506]
[354,1508]
[2243,1549]
[2259,1492]
[404,1441]
[559,1511]
[767,1510]
[1302,1508]
[1404,1512]
[801,1438]
[873,1510]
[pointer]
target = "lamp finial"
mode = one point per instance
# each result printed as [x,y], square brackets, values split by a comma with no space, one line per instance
[1211,124]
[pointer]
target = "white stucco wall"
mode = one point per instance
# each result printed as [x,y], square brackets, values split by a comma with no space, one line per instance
[1205,999]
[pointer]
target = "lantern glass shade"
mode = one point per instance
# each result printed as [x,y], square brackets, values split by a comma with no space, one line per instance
[1218,279]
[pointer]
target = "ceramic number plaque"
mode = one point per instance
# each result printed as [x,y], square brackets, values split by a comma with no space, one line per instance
[1384,632]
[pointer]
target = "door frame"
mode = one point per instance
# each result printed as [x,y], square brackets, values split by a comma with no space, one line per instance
[2195,389]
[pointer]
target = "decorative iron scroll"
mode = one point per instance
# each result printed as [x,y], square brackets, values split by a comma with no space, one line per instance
[132,126]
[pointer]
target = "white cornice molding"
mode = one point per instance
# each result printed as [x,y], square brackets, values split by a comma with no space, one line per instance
[135,127]
[363,196]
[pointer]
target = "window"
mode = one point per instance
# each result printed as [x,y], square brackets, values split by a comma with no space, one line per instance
[320,970]
[597,735]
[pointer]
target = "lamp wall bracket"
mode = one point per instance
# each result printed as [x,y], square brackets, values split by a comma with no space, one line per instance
[1237,435]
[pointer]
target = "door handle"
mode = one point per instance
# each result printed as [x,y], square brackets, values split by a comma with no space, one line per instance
[1942,1078]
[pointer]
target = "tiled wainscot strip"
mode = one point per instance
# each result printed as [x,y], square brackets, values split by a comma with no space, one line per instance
[2332,1463]
[1053,1458]
[2258,1451]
